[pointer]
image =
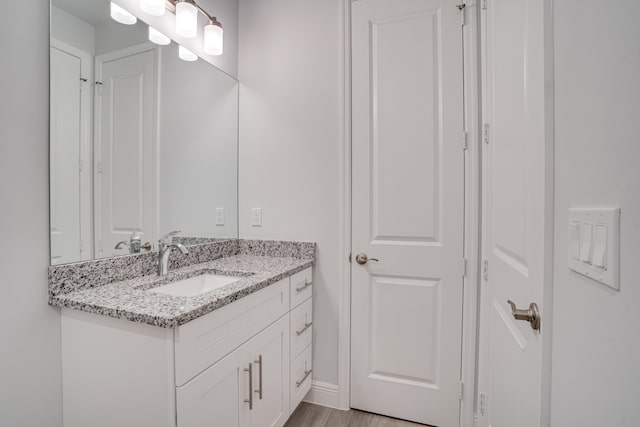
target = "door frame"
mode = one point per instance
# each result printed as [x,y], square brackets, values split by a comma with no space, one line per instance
[472,171]
[86,146]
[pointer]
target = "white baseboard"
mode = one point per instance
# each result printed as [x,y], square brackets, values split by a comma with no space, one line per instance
[323,394]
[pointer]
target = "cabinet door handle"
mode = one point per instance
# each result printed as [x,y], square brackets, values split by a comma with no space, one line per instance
[302,288]
[250,399]
[259,390]
[306,374]
[306,326]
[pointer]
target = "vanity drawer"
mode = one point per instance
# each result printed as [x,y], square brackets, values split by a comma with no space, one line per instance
[301,287]
[301,374]
[205,340]
[301,327]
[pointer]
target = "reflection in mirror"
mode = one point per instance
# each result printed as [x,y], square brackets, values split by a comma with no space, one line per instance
[141,142]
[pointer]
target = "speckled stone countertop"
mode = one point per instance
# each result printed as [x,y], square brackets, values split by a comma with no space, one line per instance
[135,300]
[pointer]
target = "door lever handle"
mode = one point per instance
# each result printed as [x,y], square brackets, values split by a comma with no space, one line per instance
[532,315]
[363,259]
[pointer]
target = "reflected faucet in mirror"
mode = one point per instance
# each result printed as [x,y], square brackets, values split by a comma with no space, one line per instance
[134,244]
[165,245]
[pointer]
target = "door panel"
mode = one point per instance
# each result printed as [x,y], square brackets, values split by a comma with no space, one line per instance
[403,72]
[419,318]
[407,208]
[127,165]
[515,211]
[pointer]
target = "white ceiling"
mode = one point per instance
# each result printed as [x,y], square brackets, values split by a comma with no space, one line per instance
[91,11]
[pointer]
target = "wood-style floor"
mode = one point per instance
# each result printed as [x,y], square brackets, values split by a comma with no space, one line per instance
[308,415]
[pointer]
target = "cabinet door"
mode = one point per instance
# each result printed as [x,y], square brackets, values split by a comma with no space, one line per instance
[217,396]
[270,350]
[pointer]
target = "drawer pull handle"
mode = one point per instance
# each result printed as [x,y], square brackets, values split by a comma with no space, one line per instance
[306,326]
[250,399]
[306,375]
[259,390]
[302,288]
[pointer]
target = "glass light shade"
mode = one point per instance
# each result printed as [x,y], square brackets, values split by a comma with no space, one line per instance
[157,37]
[186,55]
[120,15]
[186,19]
[153,7]
[213,39]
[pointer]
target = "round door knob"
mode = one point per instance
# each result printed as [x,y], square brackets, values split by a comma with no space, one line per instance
[362,259]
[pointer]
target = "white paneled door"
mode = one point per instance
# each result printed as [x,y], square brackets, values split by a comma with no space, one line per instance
[126,145]
[407,209]
[69,143]
[516,210]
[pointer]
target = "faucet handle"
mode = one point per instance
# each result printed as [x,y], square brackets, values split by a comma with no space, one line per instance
[168,238]
[136,235]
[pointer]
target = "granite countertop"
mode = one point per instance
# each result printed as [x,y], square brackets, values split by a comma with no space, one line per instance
[135,300]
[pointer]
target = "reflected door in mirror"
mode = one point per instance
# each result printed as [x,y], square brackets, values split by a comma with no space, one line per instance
[126,117]
[68,143]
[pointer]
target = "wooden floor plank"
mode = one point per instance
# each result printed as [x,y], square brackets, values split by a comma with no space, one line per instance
[308,415]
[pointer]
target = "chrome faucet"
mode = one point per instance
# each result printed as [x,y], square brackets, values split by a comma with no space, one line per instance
[134,243]
[164,249]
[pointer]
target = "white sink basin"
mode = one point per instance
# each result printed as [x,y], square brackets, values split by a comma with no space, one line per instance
[196,285]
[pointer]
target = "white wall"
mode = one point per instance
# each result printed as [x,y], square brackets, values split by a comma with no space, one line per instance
[111,35]
[30,364]
[69,29]
[290,134]
[596,345]
[198,147]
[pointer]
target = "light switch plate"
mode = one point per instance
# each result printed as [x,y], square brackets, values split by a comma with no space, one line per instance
[256,217]
[602,228]
[219,216]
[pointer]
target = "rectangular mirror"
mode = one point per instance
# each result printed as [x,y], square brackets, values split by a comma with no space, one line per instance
[141,142]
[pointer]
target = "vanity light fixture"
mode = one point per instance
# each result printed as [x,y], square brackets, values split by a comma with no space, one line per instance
[186,22]
[186,18]
[153,7]
[186,55]
[157,37]
[120,15]
[213,37]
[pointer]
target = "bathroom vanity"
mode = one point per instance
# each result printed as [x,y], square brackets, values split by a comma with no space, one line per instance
[137,352]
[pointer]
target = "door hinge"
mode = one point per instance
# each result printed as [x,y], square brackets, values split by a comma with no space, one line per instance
[461,8]
[80,165]
[99,167]
[465,140]
[99,87]
[99,245]
[464,267]
[481,404]
[485,270]
[81,245]
[461,391]
[485,133]
[484,4]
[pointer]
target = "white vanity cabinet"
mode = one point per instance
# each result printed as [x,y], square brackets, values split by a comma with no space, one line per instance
[235,366]
[248,387]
